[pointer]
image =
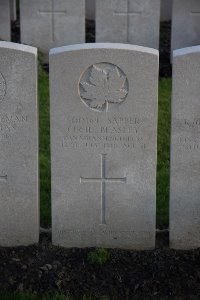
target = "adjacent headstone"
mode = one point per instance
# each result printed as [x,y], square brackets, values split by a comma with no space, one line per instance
[52,23]
[13,4]
[90,9]
[185,23]
[130,21]
[185,150]
[5,26]
[166,10]
[19,205]
[103,143]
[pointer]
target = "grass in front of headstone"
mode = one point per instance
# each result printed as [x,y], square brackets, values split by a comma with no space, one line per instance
[99,256]
[163,150]
[164,116]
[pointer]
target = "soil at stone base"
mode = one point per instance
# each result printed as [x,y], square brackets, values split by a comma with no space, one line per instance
[154,274]
[127,275]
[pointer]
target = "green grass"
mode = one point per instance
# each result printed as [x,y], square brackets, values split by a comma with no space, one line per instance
[163,150]
[44,133]
[99,256]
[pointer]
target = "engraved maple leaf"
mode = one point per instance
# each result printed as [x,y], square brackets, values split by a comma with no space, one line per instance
[104,86]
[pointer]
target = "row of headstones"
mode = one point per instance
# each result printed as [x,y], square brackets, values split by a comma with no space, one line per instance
[165,12]
[47,24]
[103,146]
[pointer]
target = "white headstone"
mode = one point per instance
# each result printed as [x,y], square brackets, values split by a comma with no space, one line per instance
[13,4]
[5,22]
[129,21]
[166,10]
[52,23]
[185,150]
[90,9]
[19,205]
[103,143]
[185,24]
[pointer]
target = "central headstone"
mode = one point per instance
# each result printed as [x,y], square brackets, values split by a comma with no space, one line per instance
[52,23]
[103,126]
[129,21]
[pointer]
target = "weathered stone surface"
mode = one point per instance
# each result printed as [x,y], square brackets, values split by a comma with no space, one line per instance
[103,143]
[185,23]
[185,151]
[90,9]
[13,8]
[129,21]
[52,23]
[5,31]
[166,10]
[19,207]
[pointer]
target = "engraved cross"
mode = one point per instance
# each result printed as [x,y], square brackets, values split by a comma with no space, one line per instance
[52,13]
[128,14]
[103,180]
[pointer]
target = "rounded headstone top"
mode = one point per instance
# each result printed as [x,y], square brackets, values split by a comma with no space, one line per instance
[186,51]
[18,47]
[116,46]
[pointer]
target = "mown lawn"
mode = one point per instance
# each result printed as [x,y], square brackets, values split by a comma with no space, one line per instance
[44,134]
[163,150]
